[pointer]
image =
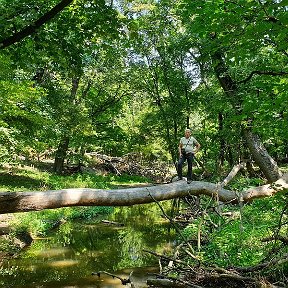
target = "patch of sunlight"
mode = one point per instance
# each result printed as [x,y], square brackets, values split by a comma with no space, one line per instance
[63,263]
[49,253]
[109,280]
[92,253]
[73,195]
[161,221]
[31,268]
[167,248]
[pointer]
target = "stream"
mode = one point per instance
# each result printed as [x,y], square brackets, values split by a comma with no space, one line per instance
[67,257]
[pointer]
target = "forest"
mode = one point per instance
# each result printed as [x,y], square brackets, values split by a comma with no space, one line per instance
[111,86]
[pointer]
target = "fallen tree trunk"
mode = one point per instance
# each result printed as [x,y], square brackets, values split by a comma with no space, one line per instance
[11,202]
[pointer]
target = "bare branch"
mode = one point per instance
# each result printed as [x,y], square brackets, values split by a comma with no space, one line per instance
[258,72]
[283,239]
[124,281]
[232,174]
[31,29]
[167,258]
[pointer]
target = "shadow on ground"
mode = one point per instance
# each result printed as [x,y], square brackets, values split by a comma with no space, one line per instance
[18,181]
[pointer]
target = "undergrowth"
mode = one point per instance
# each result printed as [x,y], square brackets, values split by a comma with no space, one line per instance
[242,235]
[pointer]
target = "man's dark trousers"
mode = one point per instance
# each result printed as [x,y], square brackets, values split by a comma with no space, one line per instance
[189,157]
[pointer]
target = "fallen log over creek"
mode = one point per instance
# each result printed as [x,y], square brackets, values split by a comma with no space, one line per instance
[11,202]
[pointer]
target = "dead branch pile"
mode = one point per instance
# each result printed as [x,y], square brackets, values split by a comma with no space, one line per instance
[192,272]
[200,276]
[131,164]
[187,263]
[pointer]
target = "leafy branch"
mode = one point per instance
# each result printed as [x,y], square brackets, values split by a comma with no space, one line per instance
[31,29]
[259,72]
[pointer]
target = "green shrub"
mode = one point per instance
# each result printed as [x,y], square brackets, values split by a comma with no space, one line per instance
[238,239]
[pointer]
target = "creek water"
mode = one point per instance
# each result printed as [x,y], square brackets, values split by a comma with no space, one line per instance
[67,258]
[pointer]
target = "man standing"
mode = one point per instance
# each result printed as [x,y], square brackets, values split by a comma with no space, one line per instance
[188,146]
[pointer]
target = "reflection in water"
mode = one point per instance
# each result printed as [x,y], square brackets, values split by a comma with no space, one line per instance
[53,252]
[63,263]
[69,257]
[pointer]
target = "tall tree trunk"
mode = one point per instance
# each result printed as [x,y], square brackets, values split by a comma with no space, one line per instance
[170,140]
[61,155]
[230,157]
[64,141]
[221,140]
[260,155]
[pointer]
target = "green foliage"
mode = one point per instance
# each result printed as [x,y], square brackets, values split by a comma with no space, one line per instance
[36,223]
[131,77]
[241,183]
[41,223]
[7,246]
[238,239]
[88,213]
[77,45]
[21,115]
[139,98]
[245,34]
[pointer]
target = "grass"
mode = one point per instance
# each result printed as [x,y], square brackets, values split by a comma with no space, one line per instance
[32,179]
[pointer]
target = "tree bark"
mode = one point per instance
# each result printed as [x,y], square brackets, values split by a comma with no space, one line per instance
[31,29]
[61,155]
[64,142]
[259,153]
[11,202]
[221,141]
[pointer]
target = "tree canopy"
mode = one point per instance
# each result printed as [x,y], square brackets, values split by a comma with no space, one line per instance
[125,78]
[121,77]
